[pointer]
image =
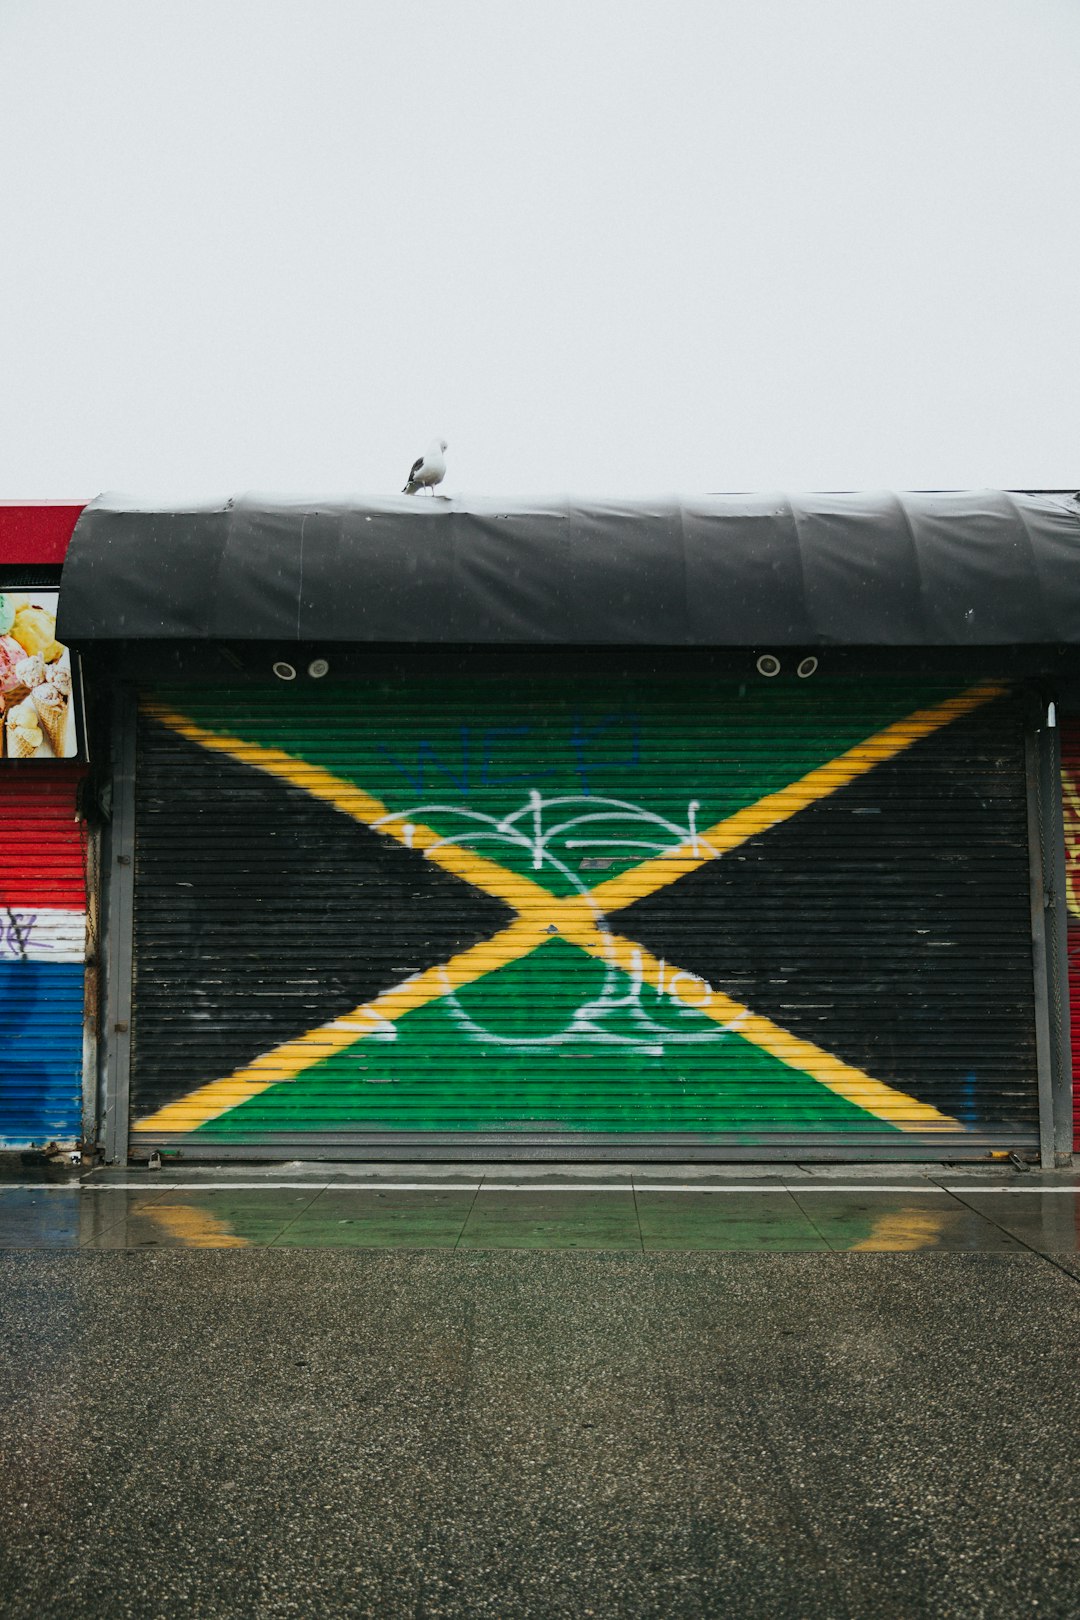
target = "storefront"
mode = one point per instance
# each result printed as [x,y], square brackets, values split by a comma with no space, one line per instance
[44,841]
[717,831]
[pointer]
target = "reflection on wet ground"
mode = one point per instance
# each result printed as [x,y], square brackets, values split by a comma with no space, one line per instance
[811,1214]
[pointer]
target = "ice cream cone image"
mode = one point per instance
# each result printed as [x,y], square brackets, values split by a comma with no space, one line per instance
[30,672]
[34,628]
[51,709]
[23,742]
[60,675]
[12,685]
[24,734]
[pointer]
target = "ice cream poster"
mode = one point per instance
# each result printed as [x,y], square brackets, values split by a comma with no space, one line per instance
[37,713]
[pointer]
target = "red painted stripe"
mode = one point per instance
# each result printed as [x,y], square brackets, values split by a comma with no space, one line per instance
[42,845]
[35,534]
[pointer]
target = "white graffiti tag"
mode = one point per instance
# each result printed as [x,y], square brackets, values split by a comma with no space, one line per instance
[626,1012]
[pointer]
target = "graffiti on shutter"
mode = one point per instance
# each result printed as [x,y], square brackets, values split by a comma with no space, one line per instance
[676,908]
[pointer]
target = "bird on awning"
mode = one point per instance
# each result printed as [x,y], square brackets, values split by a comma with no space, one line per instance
[427,470]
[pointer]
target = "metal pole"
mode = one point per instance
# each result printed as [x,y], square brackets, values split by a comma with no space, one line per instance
[1038,950]
[92,987]
[1057,942]
[120,882]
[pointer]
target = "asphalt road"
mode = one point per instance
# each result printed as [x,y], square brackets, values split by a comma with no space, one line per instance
[310,1431]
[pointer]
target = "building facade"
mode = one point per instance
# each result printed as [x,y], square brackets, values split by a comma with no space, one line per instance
[725,831]
[454,831]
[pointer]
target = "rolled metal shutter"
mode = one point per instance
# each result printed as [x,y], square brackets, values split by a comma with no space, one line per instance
[42,955]
[623,916]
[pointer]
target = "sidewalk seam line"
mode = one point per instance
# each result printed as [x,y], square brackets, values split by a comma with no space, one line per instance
[1050,1261]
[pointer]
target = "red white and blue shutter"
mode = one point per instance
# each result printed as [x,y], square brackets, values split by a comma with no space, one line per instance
[42,955]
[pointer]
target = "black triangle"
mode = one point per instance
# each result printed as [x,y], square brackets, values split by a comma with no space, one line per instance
[262,912]
[889,923]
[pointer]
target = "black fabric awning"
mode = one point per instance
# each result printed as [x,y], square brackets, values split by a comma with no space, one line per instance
[935,570]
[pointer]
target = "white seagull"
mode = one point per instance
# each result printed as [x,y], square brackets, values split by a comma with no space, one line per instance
[427,470]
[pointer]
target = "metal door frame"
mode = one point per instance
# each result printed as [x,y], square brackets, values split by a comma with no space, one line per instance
[1049,944]
[118,897]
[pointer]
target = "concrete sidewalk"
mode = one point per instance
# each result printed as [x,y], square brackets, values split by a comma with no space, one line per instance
[656,1207]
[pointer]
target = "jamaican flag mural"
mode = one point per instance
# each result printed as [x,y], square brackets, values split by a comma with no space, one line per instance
[634,911]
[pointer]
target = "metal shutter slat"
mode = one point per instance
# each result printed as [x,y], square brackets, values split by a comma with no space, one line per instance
[863,961]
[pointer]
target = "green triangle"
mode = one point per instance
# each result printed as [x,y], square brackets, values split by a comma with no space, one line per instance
[553,1042]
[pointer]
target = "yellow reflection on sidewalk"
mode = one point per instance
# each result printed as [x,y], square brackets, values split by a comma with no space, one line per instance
[196,1228]
[905,1229]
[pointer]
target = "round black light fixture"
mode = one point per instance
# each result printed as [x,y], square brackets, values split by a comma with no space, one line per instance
[284,671]
[318,668]
[806,668]
[768,665]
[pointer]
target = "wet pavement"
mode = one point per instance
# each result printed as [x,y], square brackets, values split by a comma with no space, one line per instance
[370,1391]
[823,1209]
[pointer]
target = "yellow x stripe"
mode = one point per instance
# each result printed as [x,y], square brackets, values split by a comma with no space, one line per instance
[285,1062]
[885,1102]
[579,920]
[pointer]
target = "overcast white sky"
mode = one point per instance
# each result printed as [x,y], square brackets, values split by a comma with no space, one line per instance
[606,246]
